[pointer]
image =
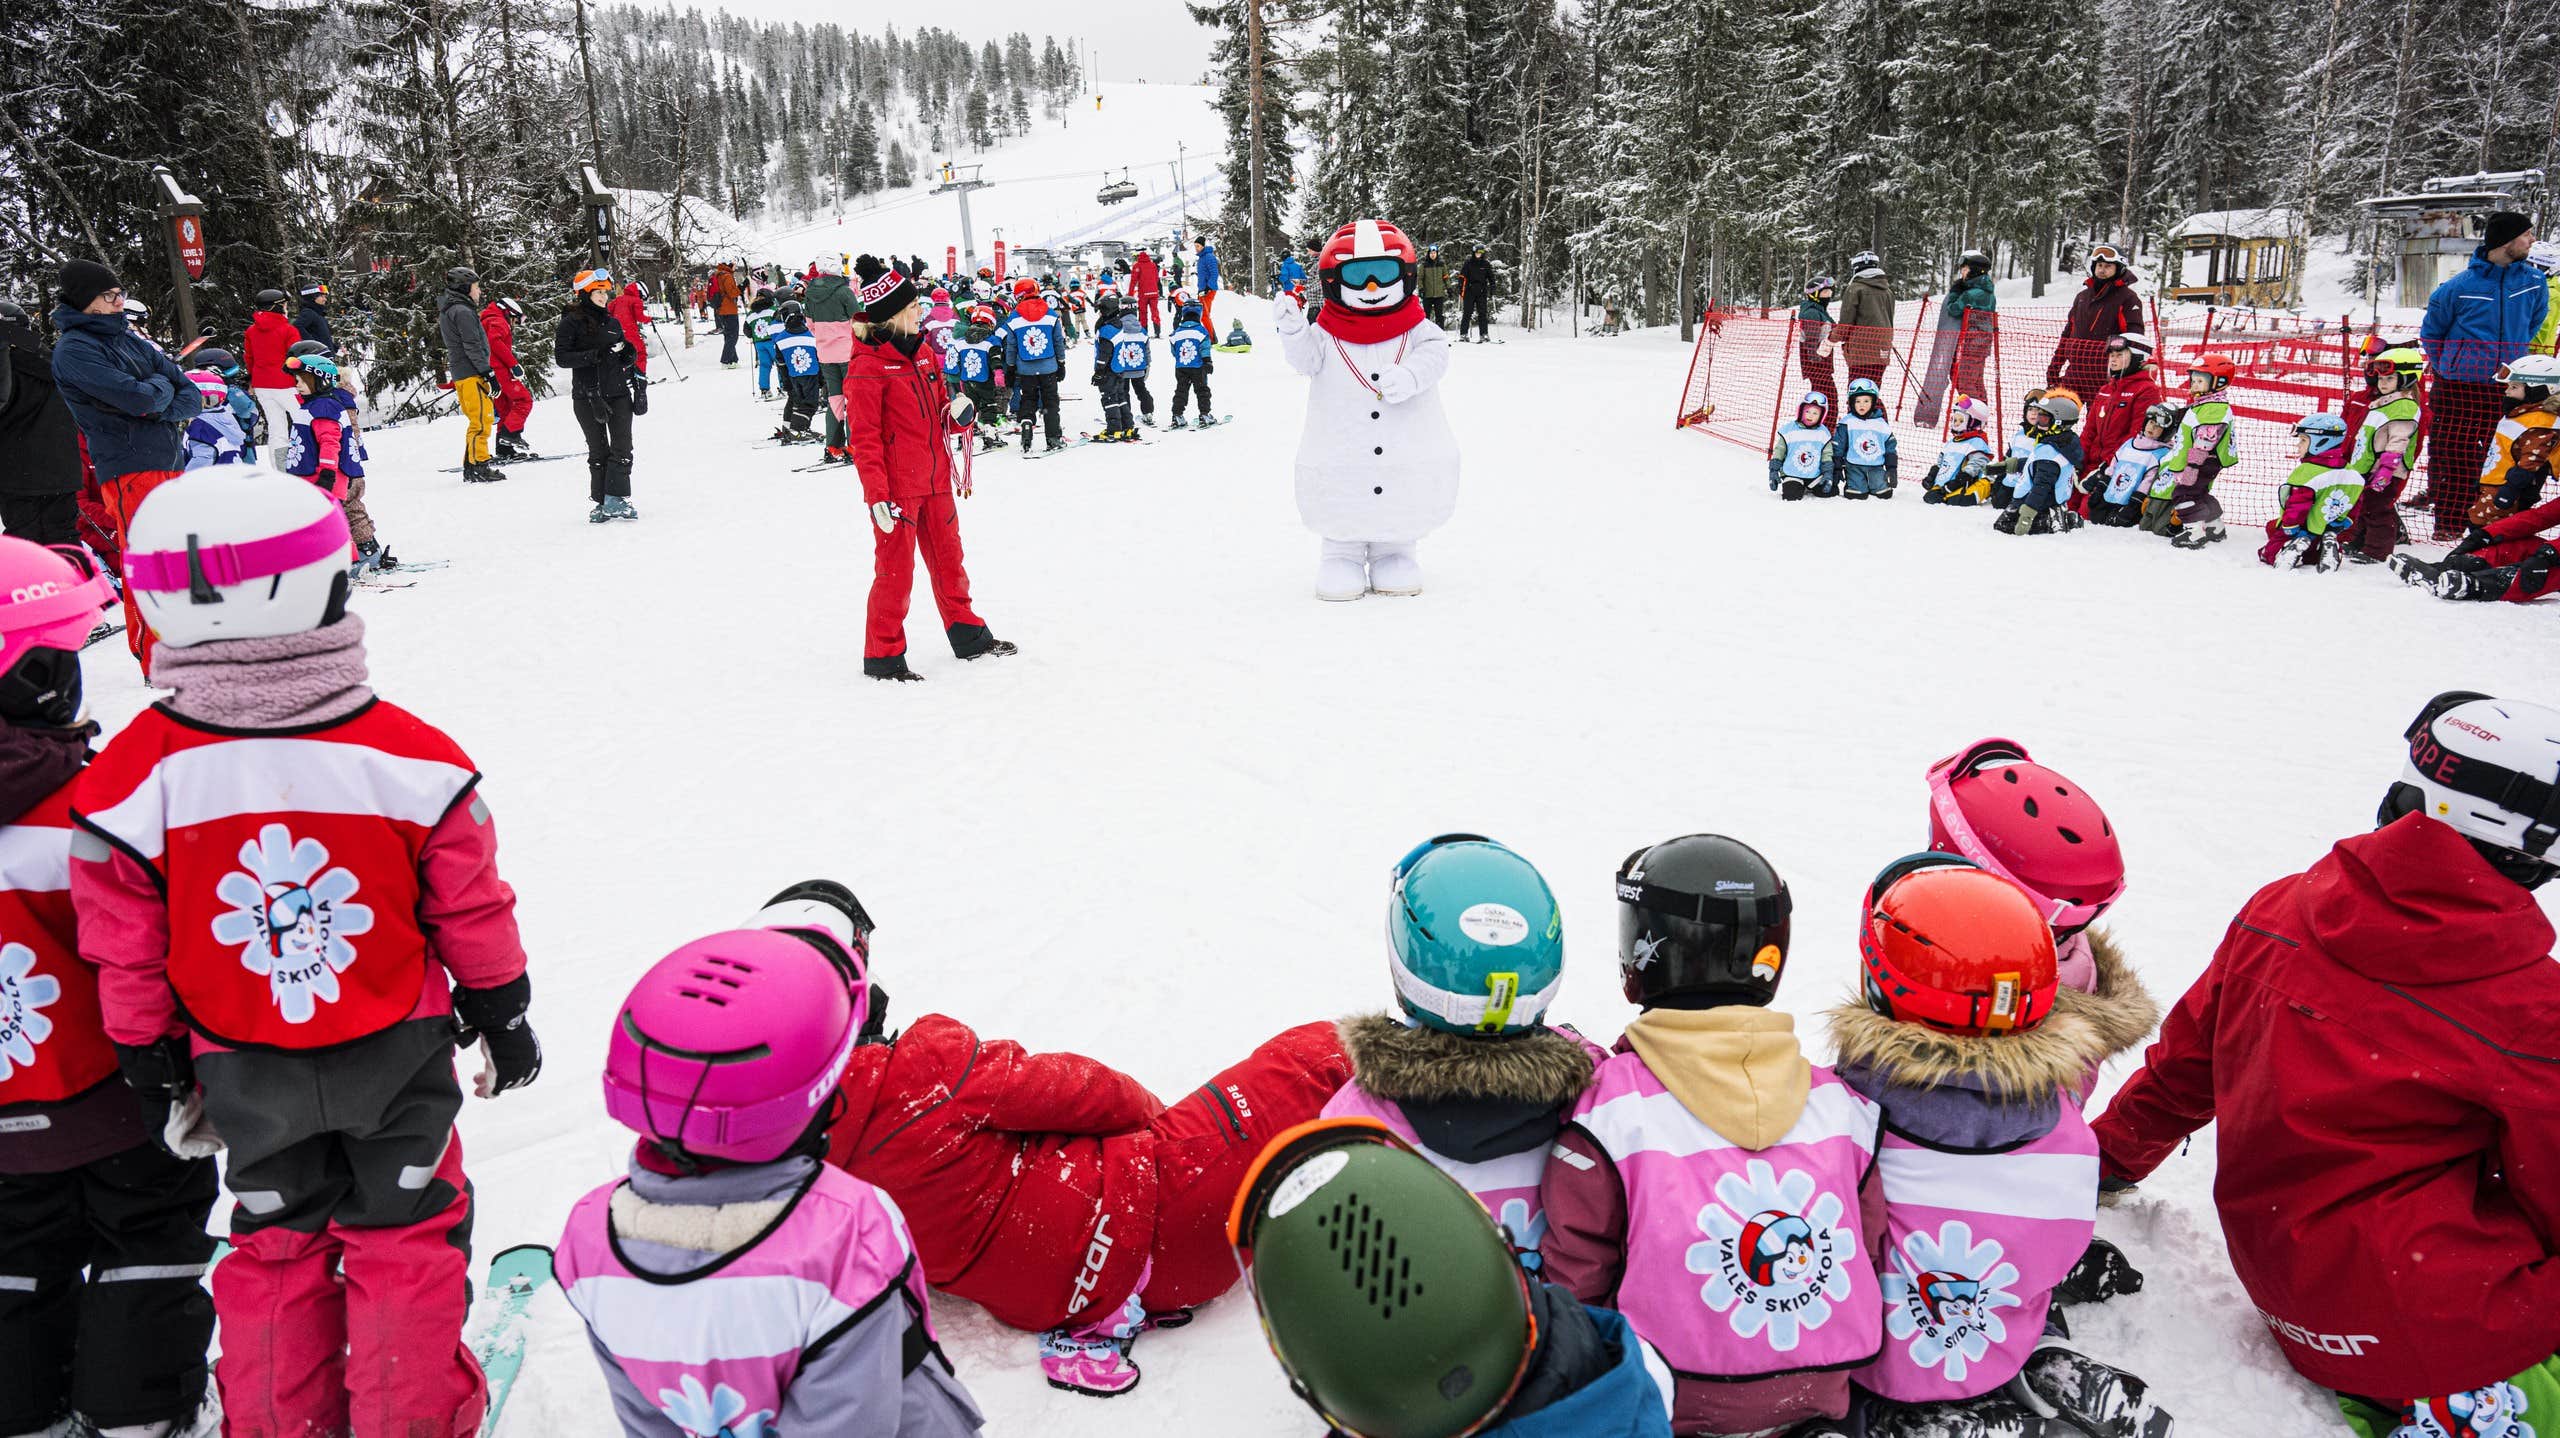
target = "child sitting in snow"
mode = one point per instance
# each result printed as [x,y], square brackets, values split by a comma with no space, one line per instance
[1470,1074]
[1869,464]
[2182,508]
[2116,493]
[1973,1049]
[214,437]
[2319,498]
[1709,1163]
[1056,1192]
[1961,478]
[2519,462]
[1803,460]
[733,1282]
[2043,460]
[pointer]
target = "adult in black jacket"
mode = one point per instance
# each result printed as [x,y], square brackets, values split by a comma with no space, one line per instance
[39,440]
[313,318]
[591,346]
[1475,289]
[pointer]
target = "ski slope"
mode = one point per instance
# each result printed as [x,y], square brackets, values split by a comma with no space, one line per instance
[1163,832]
[1041,186]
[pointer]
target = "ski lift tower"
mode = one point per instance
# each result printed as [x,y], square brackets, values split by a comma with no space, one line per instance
[2439,224]
[960,180]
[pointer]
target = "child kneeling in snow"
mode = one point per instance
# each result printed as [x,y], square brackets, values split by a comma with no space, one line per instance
[1962,476]
[2319,498]
[2043,459]
[1709,1162]
[734,1283]
[1470,1075]
[1970,1045]
[1803,458]
[1056,1192]
[2116,492]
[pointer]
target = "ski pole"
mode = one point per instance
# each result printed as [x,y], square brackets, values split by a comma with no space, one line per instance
[665,351]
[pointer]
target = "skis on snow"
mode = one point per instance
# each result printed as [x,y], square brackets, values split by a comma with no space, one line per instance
[515,1276]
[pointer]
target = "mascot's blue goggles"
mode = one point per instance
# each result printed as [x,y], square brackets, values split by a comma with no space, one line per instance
[1360,274]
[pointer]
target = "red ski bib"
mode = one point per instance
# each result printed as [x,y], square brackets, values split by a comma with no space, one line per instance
[290,861]
[53,1044]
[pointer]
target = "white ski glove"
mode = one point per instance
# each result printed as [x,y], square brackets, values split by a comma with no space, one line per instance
[1289,314]
[964,414]
[1396,384]
[188,1134]
[886,514]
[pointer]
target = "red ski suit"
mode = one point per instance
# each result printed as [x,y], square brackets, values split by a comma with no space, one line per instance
[515,402]
[1040,1185]
[2379,1039]
[632,309]
[1147,283]
[2519,537]
[895,428]
[263,347]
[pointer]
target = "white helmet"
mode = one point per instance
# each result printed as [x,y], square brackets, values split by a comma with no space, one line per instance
[2490,768]
[831,264]
[2533,371]
[219,554]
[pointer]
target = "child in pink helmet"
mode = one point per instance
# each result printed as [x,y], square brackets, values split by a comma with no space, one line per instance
[734,1282]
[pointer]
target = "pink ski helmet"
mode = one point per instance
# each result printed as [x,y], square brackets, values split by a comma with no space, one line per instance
[731,1047]
[2028,824]
[49,600]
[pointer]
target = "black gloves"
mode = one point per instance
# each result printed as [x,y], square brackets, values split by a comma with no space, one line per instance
[2472,539]
[498,1016]
[162,1075]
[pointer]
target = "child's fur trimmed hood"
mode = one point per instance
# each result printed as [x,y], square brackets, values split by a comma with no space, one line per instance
[1418,1065]
[2049,1059]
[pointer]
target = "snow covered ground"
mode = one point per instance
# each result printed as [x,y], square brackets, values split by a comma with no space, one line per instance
[1163,832]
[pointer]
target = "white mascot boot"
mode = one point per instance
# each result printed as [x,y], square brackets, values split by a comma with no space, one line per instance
[1393,570]
[1343,573]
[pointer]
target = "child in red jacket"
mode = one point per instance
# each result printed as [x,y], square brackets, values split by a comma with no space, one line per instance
[1055,1191]
[2375,1039]
[290,890]
[2508,559]
[515,401]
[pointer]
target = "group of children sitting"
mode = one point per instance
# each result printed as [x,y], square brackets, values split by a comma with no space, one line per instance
[2137,457]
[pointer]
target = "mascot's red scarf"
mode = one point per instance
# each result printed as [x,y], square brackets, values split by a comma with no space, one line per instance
[1369,327]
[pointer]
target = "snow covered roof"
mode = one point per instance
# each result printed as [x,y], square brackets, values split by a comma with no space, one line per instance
[2273,223]
[710,233]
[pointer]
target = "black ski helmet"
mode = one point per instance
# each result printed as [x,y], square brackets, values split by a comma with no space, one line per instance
[1702,919]
[214,358]
[268,299]
[306,347]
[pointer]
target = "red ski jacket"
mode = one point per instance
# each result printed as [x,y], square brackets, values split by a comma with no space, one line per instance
[633,311]
[2115,415]
[2514,539]
[263,349]
[895,421]
[1016,1171]
[502,337]
[2379,1039]
[1144,281]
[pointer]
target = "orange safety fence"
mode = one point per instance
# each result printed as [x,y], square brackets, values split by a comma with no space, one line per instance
[1751,367]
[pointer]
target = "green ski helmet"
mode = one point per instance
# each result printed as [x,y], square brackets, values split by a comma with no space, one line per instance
[1474,939]
[1394,1305]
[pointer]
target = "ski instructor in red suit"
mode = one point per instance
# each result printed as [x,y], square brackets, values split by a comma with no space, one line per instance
[898,424]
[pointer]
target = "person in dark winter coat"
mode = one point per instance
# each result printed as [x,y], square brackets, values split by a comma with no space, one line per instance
[131,400]
[2482,317]
[1964,337]
[102,1226]
[590,345]
[1865,329]
[2374,1040]
[313,318]
[1432,282]
[473,374]
[2105,308]
[1814,346]
[39,440]
[898,422]
[1475,295]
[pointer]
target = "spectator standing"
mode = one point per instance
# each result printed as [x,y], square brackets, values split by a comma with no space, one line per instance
[1814,346]
[591,346]
[2476,321]
[1865,330]
[130,399]
[2106,307]
[1293,272]
[270,337]
[832,308]
[468,366]
[39,441]
[313,318]
[1205,266]
[724,308]
[1475,296]
[1146,282]
[1432,281]
[631,307]
[1963,340]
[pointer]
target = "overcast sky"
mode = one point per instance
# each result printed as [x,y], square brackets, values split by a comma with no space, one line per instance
[1153,40]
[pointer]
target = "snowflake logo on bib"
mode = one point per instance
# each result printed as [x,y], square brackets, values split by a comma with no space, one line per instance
[291,920]
[2496,1411]
[24,994]
[1035,342]
[1774,1256]
[1944,1298]
[1526,1231]
[719,1413]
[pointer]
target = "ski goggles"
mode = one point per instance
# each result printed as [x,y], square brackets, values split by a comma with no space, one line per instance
[596,279]
[2106,255]
[200,569]
[1361,274]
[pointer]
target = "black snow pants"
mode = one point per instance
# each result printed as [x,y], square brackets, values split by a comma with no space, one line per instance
[606,418]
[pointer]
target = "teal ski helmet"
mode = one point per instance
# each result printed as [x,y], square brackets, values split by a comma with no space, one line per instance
[1474,938]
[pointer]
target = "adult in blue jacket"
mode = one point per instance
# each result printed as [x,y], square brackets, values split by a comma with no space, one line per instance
[2476,321]
[1205,274]
[1292,273]
[131,400]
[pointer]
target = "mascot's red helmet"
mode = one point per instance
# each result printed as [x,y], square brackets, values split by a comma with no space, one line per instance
[1365,240]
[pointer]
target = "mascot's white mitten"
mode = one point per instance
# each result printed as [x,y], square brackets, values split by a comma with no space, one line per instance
[1396,384]
[1288,314]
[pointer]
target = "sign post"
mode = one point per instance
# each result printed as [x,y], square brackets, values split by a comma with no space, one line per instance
[184,214]
[999,266]
[597,200]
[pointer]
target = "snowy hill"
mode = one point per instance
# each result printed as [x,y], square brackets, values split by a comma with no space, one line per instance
[1042,186]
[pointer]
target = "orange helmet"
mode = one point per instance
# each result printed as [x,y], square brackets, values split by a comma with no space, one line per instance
[596,279]
[1955,947]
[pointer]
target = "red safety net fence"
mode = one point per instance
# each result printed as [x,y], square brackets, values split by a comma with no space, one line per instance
[1751,367]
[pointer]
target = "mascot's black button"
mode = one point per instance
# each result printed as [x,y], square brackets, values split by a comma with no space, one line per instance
[1378,489]
[1374,449]
[1373,414]
[1373,379]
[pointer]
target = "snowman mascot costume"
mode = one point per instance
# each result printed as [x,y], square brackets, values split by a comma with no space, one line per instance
[1377,465]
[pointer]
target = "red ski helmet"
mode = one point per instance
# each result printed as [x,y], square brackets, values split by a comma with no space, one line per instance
[1360,254]
[1954,947]
[1992,804]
